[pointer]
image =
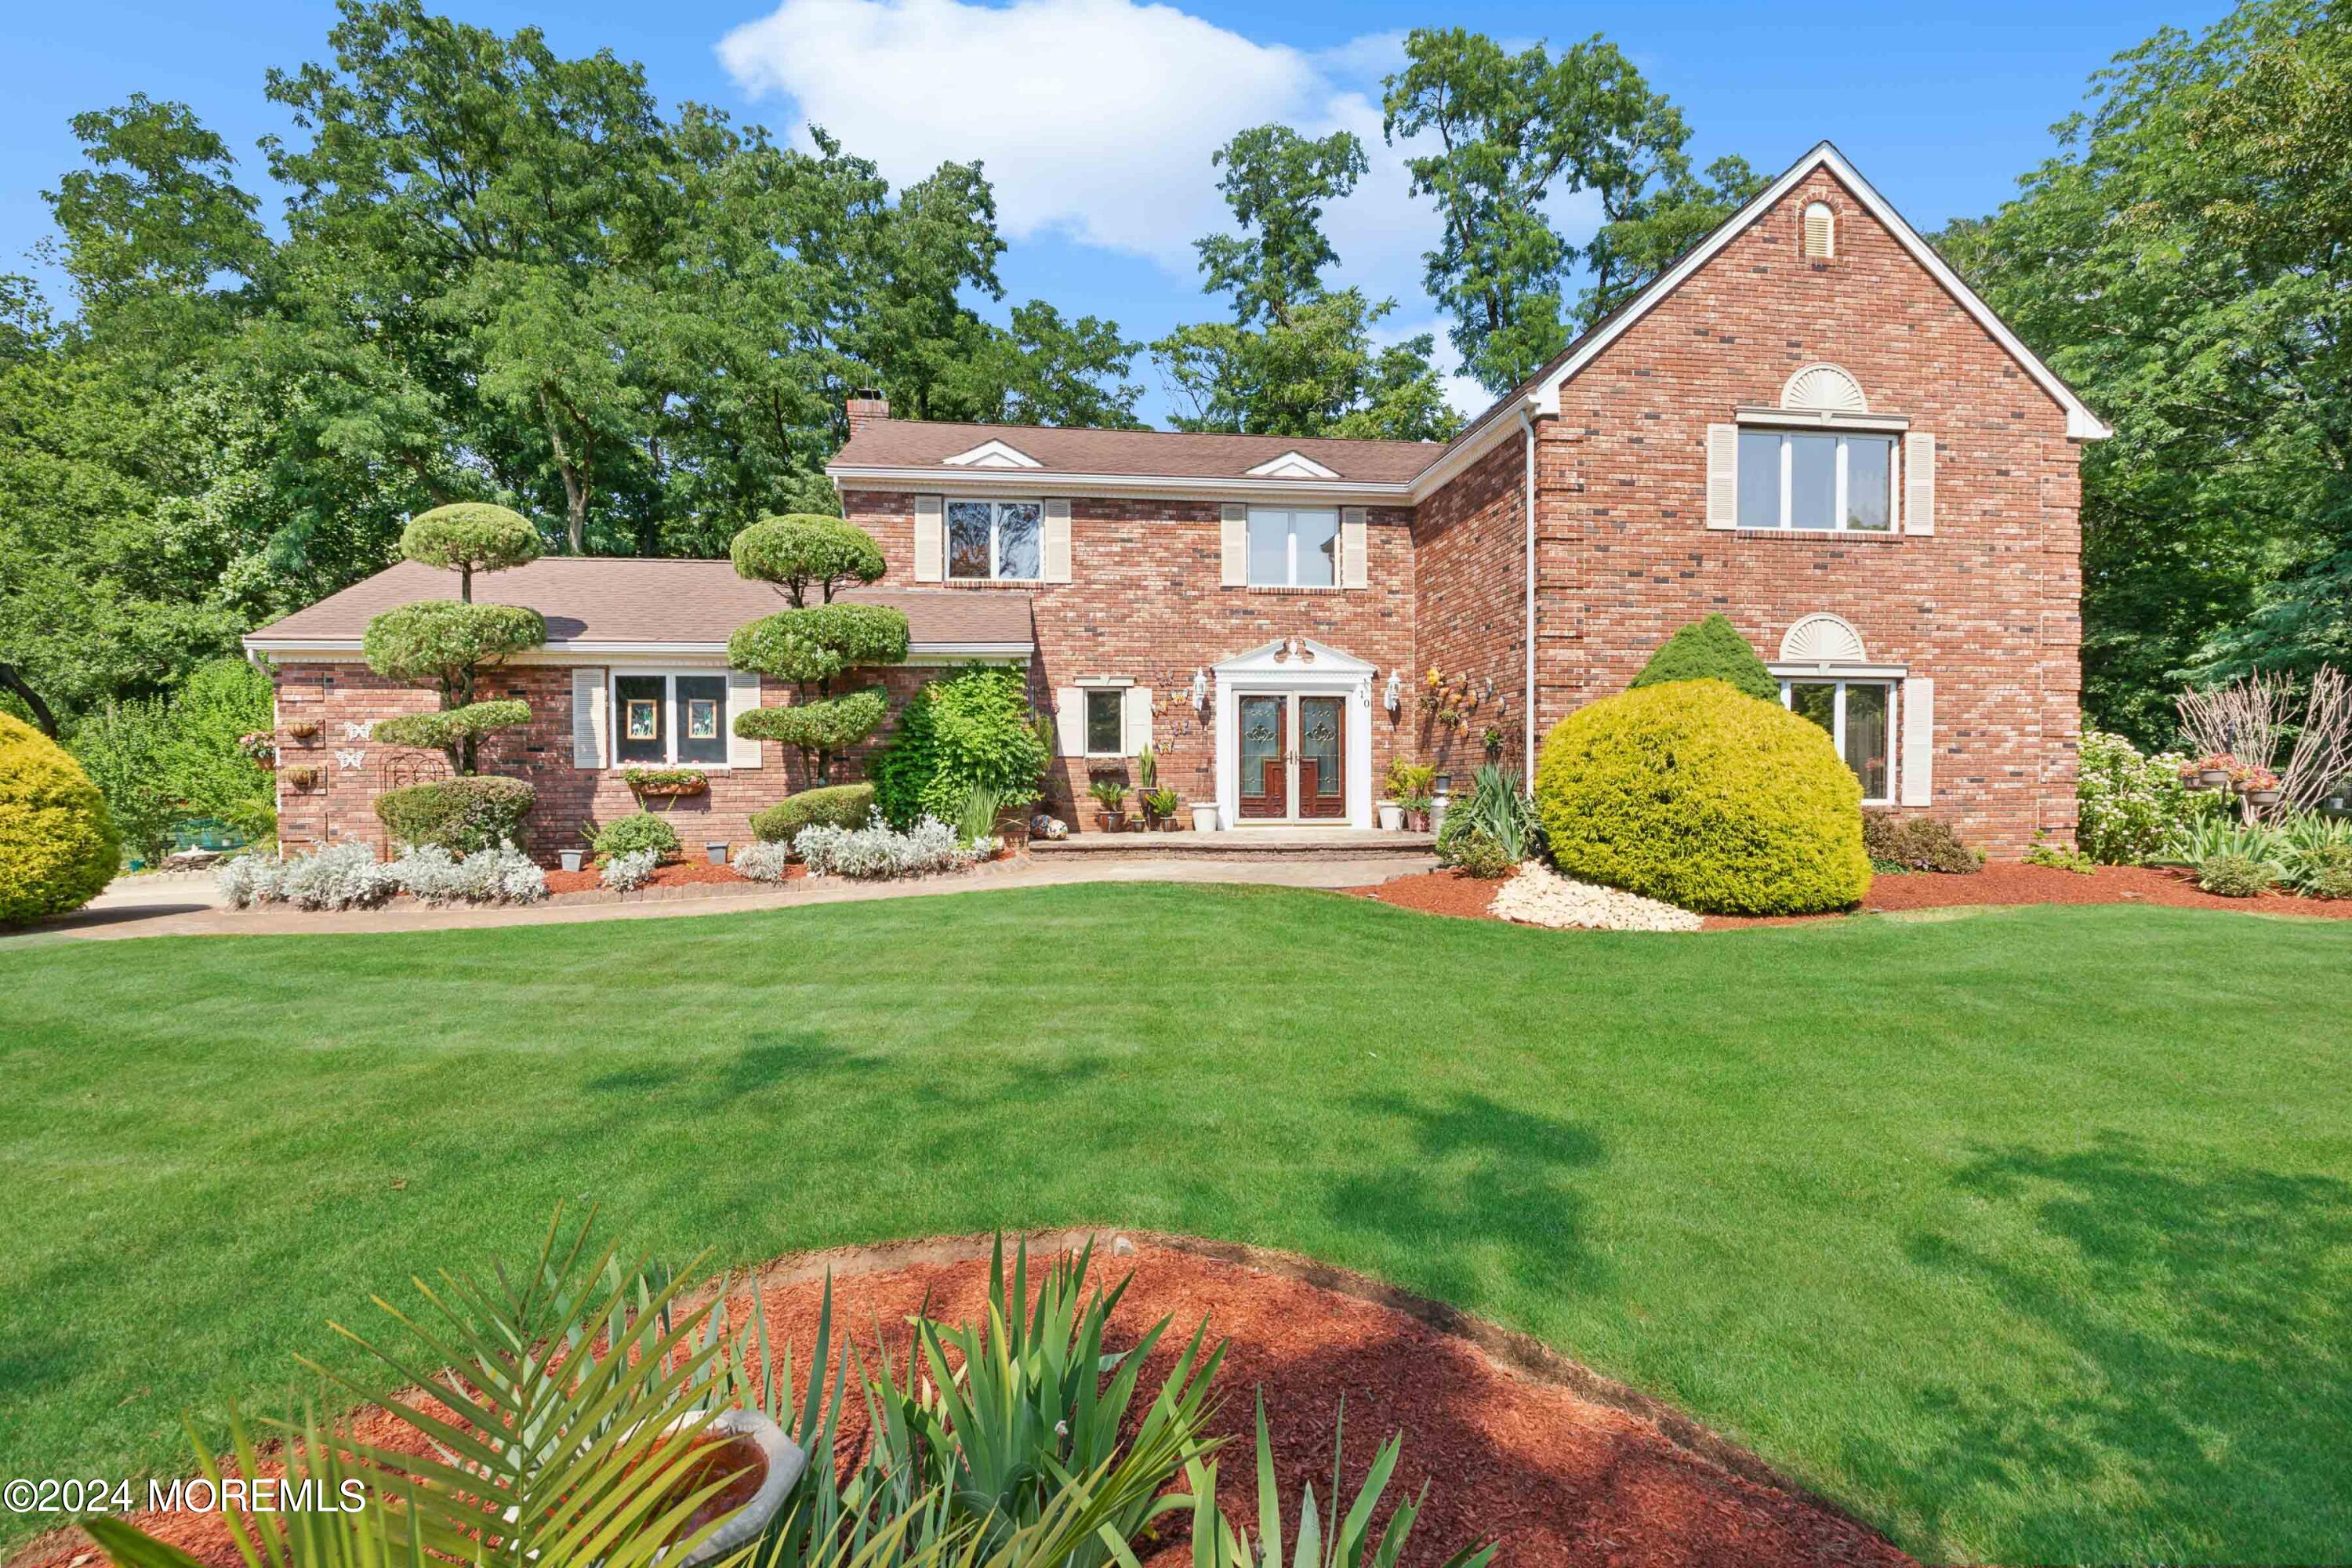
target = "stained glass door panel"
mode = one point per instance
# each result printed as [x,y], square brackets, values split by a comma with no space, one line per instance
[1322,753]
[1264,786]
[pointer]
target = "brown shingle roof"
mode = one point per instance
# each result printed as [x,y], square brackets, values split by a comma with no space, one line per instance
[621,599]
[1173,453]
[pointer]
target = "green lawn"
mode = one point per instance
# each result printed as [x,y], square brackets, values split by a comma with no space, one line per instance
[2027,1234]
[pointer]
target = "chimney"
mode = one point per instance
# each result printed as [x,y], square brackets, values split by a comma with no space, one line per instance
[867,406]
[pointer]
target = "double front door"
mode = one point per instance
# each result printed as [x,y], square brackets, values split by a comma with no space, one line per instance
[1293,757]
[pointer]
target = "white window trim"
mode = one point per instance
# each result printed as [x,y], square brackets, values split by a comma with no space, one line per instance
[1290,548]
[1087,691]
[668,676]
[1841,677]
[995,537]
[1838,505]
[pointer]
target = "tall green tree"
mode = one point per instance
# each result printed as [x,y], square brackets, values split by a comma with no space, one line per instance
[1500,135]
[1296,359]
[2185,261]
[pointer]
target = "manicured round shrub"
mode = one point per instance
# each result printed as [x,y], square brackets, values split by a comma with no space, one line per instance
[433,638]
[58,849]
[1914,843]
[820,724]
[836,806]
[460,814]
[973,730]
[1711,649]
[438,731]
[802,548]
[820,642]
[470,537]
[638,831]
[1706,798]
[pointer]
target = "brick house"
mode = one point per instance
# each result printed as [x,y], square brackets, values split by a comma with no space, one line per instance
[1807,424]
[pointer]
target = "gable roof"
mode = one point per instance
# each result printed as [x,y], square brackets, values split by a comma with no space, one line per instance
[615,604]
[1540,392]
[894,446]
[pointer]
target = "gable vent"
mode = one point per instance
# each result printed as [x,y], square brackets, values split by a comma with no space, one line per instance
[1824,388]
[1821,232]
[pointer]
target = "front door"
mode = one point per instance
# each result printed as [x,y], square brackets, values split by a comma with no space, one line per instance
[1293,758]
[1322,780]
[1264,789]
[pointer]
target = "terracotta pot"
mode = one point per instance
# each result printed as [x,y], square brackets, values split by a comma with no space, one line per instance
[1110,821]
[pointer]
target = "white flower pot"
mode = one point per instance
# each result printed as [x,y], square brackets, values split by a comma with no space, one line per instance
[1204,817]
[570,858]
[1391,817]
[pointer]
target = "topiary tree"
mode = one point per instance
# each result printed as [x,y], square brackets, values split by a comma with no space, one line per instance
[1711,649]
[812,646]
[58,848]
[450,646]
[1705,798]
[467,537]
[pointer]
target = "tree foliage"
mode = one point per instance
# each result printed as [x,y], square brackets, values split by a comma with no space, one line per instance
[1493,136]
[1297,359]
[466,537]
[2185,262]
[811,647]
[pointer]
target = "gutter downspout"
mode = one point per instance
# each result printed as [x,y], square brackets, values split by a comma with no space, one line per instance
[1527,506]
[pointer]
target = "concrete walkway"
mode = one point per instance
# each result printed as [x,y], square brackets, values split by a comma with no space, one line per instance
[188,903]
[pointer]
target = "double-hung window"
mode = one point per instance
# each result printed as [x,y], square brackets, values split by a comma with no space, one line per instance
[1294,548]
[1790,479]
[995,539]
[669,719]
[1106,721]
[1859,716]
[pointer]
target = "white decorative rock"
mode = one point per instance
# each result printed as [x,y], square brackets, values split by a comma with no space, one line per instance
[1539,896]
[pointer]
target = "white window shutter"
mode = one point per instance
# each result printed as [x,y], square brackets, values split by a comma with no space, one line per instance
[587,717]
[743,696]
[1233,544]
[1918,742]
[1139,718]
[1354,570]
[1070,719]
[931,539]
[1918,482]
[1723,476]
[1058,542]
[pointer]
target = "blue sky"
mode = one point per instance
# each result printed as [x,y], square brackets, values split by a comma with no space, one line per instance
[1095,116]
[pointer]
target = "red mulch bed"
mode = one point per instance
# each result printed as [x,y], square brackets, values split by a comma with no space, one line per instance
[673,874]
[1554,1477]
[2002,882]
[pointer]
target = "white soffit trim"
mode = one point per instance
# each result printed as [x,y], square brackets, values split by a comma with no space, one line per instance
[347,650]
[1034,482]
[1293,465]
[2080,423]
[992,454]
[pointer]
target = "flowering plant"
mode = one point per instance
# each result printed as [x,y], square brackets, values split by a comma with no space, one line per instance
[2217,762]
[260,746]
[2128,806]
[2259,779]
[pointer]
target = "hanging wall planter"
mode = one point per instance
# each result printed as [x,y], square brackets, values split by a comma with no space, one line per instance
[666,783]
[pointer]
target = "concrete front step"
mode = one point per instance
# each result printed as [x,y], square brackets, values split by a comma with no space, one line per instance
[1243,843]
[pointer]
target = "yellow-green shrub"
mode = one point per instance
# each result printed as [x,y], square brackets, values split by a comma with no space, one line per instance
[1697,794]
[58,848]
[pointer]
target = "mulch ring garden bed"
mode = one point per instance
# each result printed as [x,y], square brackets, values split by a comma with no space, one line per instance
[670,874]
[1517,1445]
[1999,883]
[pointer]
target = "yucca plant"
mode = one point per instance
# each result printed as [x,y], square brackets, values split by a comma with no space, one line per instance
[1327,1540]
[572,1392]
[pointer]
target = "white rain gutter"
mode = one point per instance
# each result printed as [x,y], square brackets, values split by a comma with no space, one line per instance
[1527,506]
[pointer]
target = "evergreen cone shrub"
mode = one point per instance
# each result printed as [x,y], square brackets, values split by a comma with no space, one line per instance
[1695,794]
[58,848]
[1711,649]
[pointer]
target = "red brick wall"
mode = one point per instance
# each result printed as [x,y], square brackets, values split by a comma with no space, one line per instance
[1145,603]
[1987,606]
[1471,604]
[342,806]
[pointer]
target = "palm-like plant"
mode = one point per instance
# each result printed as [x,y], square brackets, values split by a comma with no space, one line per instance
[1327,1540]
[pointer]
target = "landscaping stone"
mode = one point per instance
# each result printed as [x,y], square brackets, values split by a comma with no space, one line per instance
[1539,896]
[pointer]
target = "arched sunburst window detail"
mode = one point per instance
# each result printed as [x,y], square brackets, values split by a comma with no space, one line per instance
[1822,638]
[1824,387]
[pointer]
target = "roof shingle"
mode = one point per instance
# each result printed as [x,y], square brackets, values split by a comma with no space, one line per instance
[626,599]
[1170,453]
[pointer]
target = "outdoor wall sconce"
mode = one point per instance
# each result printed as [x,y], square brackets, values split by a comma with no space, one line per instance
[1200,690]
[1392,697]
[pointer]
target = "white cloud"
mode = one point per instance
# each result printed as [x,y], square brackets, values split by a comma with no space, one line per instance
[1096,119]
